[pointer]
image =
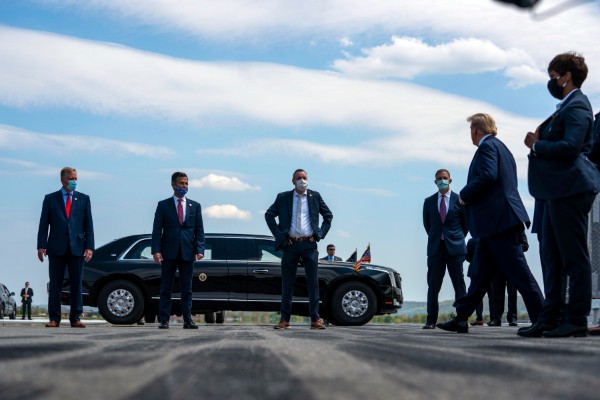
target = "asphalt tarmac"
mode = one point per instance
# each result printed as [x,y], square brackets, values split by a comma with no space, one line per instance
[257,362]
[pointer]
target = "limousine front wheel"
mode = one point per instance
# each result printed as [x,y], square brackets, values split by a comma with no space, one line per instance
[353,303]
[121,303]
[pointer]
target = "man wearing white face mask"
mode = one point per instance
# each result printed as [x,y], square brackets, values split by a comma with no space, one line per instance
[446,227]
[297,233]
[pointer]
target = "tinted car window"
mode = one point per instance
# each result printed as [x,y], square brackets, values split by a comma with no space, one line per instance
[263,250]
[143,251]
[236,249]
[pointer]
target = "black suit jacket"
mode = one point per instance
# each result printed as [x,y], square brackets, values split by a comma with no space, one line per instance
[282,208]
[77,231]
[454,228]
[29,292]
[335,258]
[559,167]
[491,196]
[168,235]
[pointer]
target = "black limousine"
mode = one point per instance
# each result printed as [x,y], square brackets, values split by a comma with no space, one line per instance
[238,273]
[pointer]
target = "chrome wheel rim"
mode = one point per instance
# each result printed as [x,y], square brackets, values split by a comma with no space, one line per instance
[355,303]
[120,302]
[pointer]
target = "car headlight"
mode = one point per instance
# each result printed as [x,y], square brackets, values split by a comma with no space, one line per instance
[390,274]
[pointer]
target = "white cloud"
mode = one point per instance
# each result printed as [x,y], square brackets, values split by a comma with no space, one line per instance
[221,182]
[36,169]
[318,20]
[226,211]
[407,57]
[346,42]
[12,138]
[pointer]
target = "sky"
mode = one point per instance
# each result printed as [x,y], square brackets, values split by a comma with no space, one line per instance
[369,97]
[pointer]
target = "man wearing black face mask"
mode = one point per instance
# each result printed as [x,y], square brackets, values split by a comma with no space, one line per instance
[561,175]
[446,227]
[177,240]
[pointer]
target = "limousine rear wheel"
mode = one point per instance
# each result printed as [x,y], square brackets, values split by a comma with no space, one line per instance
[121,302]
[353,303]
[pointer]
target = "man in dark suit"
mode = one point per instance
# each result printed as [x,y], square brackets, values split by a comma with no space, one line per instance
[70,242]
[495,217]
[26,295]
[177,240]
[297,233]
[561,175]
[331,257]
[446,227]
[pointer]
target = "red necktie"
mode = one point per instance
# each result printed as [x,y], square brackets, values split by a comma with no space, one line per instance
[180,211]
[68,205]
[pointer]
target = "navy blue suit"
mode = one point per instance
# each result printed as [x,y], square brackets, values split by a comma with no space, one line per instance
[445,249]
[65,240]
[496,217]
[298,250]
[561,175]
[178,245]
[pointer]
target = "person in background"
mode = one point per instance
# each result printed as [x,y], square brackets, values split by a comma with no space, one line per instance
[26,295]
[331,257]
[445,225]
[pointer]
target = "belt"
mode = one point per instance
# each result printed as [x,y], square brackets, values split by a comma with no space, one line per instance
[300,239]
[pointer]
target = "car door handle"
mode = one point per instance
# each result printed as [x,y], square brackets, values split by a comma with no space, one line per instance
[260,271]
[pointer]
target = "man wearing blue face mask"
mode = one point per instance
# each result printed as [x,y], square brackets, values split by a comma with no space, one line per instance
[177,240]
[297,233]
[66,236]
[444,222]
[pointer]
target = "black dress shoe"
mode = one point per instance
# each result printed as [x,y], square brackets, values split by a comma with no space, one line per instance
[454,326]
[513,323]
[494,322]
[190,325]
[163,325]
[535,330]
[429,326]
[567,330]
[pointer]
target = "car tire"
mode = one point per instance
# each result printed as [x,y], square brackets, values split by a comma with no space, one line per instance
[220,317]
[121,303]
[13,315]
[353,303]
[1,311]
[209,317]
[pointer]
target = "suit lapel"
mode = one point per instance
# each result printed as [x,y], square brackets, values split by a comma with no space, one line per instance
[290,201]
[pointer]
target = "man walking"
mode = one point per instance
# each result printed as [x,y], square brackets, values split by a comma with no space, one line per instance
[177,239]
[66,236]
[446,227]
[297,233]
[495,217]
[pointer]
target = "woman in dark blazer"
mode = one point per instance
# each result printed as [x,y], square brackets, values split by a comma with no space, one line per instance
[561,175]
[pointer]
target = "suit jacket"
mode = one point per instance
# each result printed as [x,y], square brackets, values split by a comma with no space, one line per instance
[559,167]
[77,231]
[169,236]
[335,258]
[491,196]
[594,155]
[454,228]
[282,208]
[29,292]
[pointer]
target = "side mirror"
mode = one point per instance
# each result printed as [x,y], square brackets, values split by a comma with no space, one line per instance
[12,293]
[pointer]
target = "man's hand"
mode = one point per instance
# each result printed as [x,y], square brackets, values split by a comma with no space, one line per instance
[461,201]
[157,258]
[87,255]
[41,254]
[199,256]
[531,138]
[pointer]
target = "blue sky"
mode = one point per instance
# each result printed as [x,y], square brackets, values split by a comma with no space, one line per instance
[370,98]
